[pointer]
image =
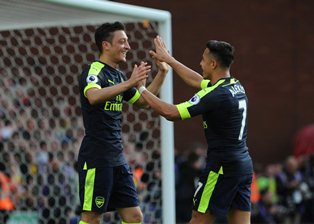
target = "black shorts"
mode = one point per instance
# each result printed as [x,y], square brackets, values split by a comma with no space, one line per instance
[105,189]
[218,193]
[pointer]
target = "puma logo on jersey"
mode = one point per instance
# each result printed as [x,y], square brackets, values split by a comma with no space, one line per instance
[111,81]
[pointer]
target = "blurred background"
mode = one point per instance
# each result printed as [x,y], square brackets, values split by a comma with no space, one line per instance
[41,127]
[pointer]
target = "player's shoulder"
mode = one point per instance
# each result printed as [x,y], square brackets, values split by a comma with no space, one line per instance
[220,89]
[234,87]
[95,68]
[212,88]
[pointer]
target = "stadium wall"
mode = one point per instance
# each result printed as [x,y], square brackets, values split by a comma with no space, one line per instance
[274,49]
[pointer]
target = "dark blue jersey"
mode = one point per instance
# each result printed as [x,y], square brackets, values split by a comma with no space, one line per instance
[102,143]
[223,106]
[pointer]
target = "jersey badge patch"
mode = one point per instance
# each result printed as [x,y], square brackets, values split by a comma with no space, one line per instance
[194,100]
[99,201]
[92,78]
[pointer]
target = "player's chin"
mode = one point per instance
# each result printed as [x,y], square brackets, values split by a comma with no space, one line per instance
[123,58]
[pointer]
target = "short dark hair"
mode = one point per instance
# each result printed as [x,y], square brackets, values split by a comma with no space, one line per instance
[104,33]
[222,51]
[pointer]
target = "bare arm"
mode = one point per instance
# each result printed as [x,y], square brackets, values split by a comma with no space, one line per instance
[154,86]
[188,75]
[96,96]
[168,111]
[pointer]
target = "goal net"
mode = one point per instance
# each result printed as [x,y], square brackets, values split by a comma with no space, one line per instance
[41,126]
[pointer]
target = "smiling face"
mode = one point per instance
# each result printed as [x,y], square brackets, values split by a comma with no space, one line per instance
[117,48]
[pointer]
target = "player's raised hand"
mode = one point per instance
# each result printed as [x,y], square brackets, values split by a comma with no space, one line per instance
[161,52]
[140,73]
[162,66]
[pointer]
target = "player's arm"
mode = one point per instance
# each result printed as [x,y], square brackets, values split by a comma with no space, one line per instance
[200,103]
[96,95]
[154,86]
[168,111]
[188,75]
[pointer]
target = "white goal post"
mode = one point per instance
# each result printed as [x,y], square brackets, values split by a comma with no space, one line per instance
[19,14]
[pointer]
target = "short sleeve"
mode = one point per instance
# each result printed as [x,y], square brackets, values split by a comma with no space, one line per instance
[131,95]
[202,102]
[92,80]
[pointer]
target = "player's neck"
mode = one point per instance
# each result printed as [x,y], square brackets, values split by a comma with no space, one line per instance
[221,74]
[104,59]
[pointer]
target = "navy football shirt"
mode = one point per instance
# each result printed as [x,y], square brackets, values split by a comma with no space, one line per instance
[223,106]
[102,143]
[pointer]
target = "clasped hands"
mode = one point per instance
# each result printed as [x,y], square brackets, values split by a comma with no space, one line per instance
[161,55]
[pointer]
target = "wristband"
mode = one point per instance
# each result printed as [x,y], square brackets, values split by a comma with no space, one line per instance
[141,89]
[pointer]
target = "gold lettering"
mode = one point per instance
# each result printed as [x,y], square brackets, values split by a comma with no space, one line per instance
[107,105]
[119,98]
[113,106]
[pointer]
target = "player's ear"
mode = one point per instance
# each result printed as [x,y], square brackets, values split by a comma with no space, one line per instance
[213,63]
[106,45]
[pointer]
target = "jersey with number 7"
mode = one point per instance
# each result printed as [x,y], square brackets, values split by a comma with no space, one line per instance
[223,106]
